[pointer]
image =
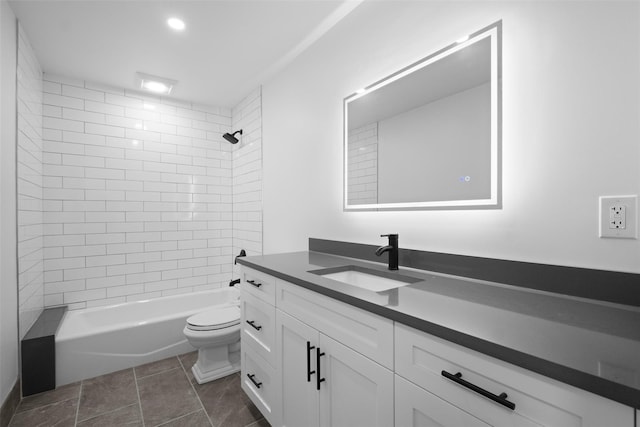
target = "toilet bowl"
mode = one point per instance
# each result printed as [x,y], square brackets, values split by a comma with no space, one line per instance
[216,334]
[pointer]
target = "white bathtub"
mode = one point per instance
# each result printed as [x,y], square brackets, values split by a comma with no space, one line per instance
[100,340]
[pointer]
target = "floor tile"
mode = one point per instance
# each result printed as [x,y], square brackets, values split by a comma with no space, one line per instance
[59,414]
[64,392]
[127,416]
[260,423]
[166,390]
[166,396]
[226,404]
[188,360]
[106,393]
[196,419]
[157,367]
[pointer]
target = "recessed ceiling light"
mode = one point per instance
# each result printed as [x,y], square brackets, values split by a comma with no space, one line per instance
[155,84]
[176,23]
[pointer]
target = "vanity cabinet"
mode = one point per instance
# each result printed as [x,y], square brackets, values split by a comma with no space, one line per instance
[313,372]
[259,378]
[311,360]
[449,372]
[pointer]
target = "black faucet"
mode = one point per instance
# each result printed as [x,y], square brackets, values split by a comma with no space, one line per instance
[392,248]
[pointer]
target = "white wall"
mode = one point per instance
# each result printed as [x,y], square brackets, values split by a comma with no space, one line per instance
[571,107]
[30,201]
[138,195]
[8,254]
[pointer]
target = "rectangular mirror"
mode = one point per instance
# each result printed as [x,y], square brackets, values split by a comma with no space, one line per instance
[428,136]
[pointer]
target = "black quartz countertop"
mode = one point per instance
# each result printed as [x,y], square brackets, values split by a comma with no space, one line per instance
[589,344]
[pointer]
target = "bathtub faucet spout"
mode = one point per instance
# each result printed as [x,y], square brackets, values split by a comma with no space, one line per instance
[243,253]
[234,282]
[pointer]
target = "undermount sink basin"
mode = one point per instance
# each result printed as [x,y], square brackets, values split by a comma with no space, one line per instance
[365,278]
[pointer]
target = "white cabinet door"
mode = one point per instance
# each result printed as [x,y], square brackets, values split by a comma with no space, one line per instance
[355,391]
[416,407]
[297,343]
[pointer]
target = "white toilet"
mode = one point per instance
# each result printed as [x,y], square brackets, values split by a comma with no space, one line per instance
[216,335]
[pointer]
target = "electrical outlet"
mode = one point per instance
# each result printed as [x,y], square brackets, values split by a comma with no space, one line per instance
[618,217]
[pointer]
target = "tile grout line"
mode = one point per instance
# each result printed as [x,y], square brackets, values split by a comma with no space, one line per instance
[180,417]
[195,391]
[78,405]
[159,373]
[135,378]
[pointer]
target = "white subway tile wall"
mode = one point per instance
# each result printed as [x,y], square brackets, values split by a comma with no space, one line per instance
[247,176]
[138,195]
[363,165]
[30,193]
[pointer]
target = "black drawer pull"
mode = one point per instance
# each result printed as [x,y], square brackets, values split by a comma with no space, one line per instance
[318,379]
[309,371]
[501,398]
[253,282]
[257,384]
[253,323]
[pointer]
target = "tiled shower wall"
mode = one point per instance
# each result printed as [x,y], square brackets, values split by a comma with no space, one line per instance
[363,165]
[247,176]
[138,195]
[29,178]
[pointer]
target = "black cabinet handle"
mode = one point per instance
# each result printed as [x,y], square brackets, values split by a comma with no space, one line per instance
[257,384]
[319,354]
[253,323]
[309,371]
[253,282]
[501,398]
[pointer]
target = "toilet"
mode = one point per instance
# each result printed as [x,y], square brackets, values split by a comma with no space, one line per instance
[216,334]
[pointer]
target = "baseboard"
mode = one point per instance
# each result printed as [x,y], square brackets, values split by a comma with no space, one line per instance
[10,405]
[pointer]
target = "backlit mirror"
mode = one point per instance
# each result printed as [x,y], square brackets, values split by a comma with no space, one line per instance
[428,136]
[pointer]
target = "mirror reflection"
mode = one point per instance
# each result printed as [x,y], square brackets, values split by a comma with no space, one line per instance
[428,135]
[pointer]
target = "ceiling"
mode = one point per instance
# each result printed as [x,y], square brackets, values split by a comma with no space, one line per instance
[227,49]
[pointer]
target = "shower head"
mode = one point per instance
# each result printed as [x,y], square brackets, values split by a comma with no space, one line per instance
[231,137]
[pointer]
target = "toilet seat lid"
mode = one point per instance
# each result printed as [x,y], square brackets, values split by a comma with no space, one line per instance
[214,318]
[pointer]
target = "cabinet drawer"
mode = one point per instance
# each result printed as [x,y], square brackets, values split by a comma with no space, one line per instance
[260,382]
[415,407]
[258,326]
[260,285]
[538,400]
[367,333]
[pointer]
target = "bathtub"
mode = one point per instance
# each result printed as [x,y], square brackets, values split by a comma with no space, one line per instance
[100,340]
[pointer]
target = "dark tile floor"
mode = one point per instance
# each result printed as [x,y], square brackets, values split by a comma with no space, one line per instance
[162,393]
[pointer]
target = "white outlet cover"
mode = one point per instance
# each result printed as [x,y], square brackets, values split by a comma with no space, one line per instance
[630,203]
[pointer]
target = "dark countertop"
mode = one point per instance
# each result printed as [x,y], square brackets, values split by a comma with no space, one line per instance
[589,344]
